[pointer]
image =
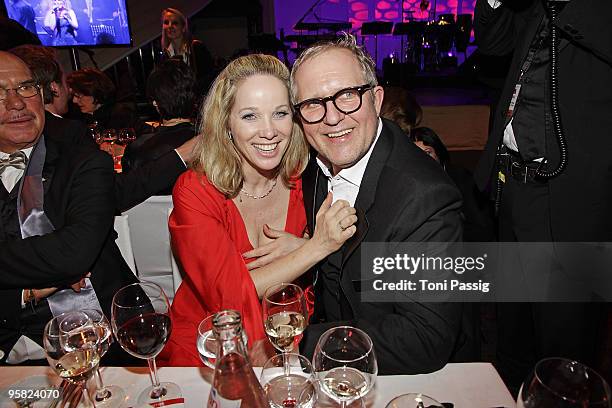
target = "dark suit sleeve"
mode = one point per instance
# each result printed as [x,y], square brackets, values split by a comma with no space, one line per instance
[586,22]
[144,181]
[72,249]
[415,337]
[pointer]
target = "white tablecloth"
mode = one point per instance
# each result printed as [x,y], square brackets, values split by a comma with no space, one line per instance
[466,385]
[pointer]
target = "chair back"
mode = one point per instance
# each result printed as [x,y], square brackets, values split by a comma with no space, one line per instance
[150,239]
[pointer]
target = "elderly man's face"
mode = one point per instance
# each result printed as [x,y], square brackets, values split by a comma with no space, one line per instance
[21,119]
[341,139]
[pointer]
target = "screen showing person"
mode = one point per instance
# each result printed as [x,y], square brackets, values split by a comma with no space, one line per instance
[67,23]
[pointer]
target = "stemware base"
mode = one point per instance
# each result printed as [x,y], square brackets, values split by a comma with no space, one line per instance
[170,391]
[113,398]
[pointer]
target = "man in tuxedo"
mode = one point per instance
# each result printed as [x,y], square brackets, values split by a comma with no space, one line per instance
[153,177]
[573,206]
[400,194]
[57,206]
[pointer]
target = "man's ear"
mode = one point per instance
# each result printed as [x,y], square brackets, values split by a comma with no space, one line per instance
[379,95]
[54,89]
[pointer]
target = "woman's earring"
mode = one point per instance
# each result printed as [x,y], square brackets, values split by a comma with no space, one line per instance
[229,135]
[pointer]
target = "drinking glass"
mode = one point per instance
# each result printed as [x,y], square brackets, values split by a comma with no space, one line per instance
[71,343]
[109,137]
[345,364]
[413,400]
[142,326]
[109,395]
[285,316]
[561,383]
[207,342]
[126,136]
[295,389]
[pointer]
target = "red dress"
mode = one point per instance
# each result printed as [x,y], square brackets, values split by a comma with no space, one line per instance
[208,237]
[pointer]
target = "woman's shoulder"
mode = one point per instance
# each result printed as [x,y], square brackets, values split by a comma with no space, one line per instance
[196,184]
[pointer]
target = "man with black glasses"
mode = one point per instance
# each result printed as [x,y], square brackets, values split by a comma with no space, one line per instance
[400,194]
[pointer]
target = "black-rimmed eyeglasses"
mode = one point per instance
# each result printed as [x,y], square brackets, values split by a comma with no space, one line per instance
[23,90]
[347,100]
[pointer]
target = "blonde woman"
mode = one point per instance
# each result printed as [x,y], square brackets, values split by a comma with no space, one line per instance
[178,43]
[243,194]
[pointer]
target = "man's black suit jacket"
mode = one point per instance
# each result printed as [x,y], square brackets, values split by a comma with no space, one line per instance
[581,197]
[79,201]
[405,196]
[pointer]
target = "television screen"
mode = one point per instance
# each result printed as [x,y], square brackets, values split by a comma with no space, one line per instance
[70,23]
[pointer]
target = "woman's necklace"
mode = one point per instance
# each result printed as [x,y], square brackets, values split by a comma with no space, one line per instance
[254,197]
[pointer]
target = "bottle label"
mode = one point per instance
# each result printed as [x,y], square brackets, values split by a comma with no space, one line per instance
[215,400]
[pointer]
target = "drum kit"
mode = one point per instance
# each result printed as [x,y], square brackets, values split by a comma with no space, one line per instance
[426,44]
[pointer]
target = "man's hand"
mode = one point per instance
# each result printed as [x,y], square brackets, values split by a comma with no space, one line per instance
[186,149]
[335,224]
[282,244]
[77,286]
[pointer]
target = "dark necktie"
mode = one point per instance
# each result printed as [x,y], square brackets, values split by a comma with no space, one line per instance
[18,160]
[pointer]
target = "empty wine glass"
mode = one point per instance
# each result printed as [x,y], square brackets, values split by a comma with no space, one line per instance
[207,342]
[109,395]
[294,389]
[413,400]
[345,364]
[126,136]
[285,315]
[142,326]
[71,344]
[561,383]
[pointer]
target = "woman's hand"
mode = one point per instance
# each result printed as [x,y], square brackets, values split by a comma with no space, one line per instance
[282,244]
[335,224]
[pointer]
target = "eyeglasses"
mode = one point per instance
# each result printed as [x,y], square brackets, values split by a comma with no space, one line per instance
[23,90]
[347,100]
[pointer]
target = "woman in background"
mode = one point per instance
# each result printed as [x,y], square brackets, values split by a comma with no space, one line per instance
[62,21]
[244,191]
[177,42]
[93,93]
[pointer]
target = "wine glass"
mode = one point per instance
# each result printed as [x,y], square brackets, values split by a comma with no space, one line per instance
[71,344]
[207,342]
[295,389]
[110,395]
[126,136]
[562,383]
[345,364]
[285,316]
[413,400]
[142,326]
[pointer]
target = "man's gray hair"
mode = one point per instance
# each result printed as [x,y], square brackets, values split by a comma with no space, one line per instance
[345,41]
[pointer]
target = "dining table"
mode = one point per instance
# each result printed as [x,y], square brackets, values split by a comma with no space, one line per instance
[464,385]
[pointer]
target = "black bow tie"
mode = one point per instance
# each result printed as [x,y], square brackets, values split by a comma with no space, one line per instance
[18,160]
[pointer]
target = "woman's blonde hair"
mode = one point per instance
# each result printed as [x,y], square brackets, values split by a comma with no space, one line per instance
[215,154]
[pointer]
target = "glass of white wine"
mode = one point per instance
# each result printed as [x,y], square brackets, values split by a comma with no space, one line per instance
[106,395]
[71,343]
[345,364]
[285,316]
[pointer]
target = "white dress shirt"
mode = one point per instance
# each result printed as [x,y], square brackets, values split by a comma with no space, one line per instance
[11,175]
[345,185]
